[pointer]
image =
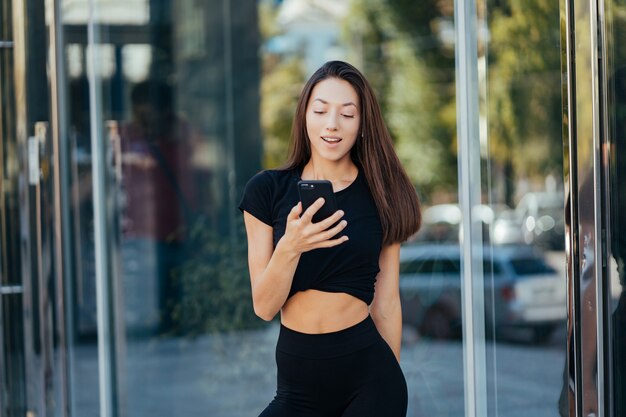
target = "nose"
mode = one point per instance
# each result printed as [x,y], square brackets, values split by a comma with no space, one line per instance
[331,123]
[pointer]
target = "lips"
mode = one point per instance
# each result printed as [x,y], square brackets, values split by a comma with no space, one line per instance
[331,139]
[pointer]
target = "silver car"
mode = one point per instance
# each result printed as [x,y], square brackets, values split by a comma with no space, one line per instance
[521,290]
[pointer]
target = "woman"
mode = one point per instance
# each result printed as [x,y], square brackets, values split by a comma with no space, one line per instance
[335,282]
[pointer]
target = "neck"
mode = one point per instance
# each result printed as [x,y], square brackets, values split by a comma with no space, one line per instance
[328,170]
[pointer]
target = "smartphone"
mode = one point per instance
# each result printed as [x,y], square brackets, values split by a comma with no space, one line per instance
[311,190]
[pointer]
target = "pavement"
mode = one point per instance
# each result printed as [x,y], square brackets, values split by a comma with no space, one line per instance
[234,375]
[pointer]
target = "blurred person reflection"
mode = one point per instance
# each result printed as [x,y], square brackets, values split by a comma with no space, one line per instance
[157,147]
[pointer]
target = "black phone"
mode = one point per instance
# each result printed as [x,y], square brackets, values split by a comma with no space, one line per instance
[311,190]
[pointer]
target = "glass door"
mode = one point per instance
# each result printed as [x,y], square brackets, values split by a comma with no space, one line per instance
[32,355]
[596,75]
[614,199]
[173,106]
[12,369]
[124,266]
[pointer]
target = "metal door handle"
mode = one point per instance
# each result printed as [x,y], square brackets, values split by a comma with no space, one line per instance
[38,164]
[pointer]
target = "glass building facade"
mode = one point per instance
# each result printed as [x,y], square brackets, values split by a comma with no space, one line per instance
[128,130]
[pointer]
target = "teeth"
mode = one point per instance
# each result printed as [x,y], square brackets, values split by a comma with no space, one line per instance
[331,139]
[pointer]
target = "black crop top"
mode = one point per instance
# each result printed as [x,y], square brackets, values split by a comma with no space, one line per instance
[350,267]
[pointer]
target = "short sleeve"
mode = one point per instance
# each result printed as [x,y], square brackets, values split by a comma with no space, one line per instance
[257,197]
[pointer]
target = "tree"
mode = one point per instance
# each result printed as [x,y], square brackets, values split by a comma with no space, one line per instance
[524,90]
[396,45]
[281,83]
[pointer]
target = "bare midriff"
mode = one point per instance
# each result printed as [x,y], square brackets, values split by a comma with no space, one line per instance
[316,312]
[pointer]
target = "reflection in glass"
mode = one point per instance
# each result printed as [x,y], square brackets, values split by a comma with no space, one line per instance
[12,361]
[156,150]
[175,149]
[191,110]
[79,282]
[525,315]
[616,151]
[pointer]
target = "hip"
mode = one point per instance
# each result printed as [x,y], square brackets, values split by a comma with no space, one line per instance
[334,368]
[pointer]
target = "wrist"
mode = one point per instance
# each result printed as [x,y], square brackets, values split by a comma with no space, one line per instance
[284,248]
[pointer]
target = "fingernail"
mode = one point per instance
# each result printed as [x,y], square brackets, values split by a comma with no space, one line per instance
[344,222]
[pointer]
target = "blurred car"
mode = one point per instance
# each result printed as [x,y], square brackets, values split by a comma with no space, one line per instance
[542,217]
[507,228]
[441,222]
[521,290]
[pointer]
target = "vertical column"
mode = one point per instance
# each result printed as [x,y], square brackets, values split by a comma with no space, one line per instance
[5,43]
[60,191]
[468,139]
[587,261]
[30,87]
[612,74]
[599,110]
[572,375]
[102,229]
[230,120]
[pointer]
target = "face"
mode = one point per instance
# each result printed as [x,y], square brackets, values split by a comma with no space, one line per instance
[332,119]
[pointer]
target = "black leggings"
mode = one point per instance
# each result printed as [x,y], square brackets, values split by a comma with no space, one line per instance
[349,373]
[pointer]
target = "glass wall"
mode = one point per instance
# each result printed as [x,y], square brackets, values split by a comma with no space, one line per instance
[163,121]
[13,395]
[522,182]
[614,149]
[172,106]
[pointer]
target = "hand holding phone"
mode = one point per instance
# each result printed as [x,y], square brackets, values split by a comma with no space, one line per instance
[302,236]
[311,190]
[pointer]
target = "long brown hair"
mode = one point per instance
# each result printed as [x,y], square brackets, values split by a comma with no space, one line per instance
[395,197]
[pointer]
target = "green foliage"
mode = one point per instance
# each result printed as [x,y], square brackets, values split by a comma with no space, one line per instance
[399,46]
[267,19]
[214,286]
[413,75]
[524,87]
[368,27]
[413,117]
[280,88]
[281,82]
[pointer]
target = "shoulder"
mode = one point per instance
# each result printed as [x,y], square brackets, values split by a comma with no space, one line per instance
[270,179]
[270,184]
[264,192]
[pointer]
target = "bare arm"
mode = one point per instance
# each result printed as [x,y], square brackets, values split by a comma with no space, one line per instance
[272,270]
[385,309]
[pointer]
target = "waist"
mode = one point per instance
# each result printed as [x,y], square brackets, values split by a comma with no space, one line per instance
[328,345]
[318,312]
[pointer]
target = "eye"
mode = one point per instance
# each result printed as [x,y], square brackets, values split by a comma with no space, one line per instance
[349,116]
[318,112]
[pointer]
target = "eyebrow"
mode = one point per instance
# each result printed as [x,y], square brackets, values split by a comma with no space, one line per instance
[343,105]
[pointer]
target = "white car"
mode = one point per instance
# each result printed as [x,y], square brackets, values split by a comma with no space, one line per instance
[521,290]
